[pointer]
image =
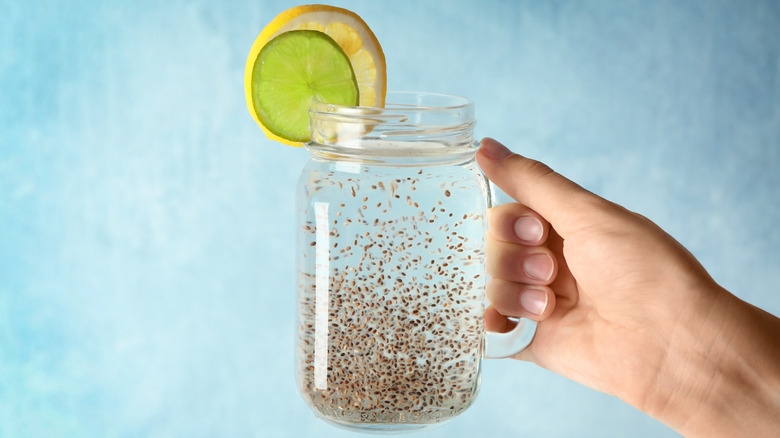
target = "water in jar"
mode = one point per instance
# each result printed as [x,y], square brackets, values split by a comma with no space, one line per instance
[390,290]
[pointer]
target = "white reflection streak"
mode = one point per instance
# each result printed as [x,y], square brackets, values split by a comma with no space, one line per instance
[321,285]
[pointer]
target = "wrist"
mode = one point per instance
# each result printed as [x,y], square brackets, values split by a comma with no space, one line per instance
[720,375]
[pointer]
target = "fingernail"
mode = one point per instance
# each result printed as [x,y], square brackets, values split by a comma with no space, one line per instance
[539,266]
[534,301]
[529,228]
[494,150]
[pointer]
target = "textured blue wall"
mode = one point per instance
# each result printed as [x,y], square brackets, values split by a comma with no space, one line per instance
[146,260]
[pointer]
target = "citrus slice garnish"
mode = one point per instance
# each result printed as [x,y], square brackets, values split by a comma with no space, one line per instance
[282,75]
[291,70]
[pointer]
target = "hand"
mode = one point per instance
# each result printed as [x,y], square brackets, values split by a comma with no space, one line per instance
[624,308]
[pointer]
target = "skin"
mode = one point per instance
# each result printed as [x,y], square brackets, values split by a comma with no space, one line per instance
[624,308]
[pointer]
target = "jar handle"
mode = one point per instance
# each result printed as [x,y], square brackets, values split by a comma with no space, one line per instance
[502,345]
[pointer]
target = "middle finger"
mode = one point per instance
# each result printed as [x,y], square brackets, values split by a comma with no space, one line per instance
[520,263]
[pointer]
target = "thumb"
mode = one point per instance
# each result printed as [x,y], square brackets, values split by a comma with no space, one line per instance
[533,184]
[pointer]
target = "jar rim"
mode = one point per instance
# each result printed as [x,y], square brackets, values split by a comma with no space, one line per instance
[412,124]
[402,100]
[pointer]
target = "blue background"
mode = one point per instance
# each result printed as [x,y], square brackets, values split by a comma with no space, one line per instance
[146,224]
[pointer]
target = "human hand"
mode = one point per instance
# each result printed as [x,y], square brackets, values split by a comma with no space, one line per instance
[624,308]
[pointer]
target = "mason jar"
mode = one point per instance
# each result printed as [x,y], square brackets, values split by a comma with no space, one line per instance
[391,218]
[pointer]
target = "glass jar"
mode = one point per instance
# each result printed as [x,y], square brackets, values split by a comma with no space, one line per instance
[391,265]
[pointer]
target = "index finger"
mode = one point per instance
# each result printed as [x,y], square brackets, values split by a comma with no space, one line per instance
[516,223]
[532,183]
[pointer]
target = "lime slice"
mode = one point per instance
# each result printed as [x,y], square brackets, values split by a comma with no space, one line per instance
[293,69]
[352,35]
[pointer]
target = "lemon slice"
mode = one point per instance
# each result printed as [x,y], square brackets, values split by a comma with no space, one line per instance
[279,111]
